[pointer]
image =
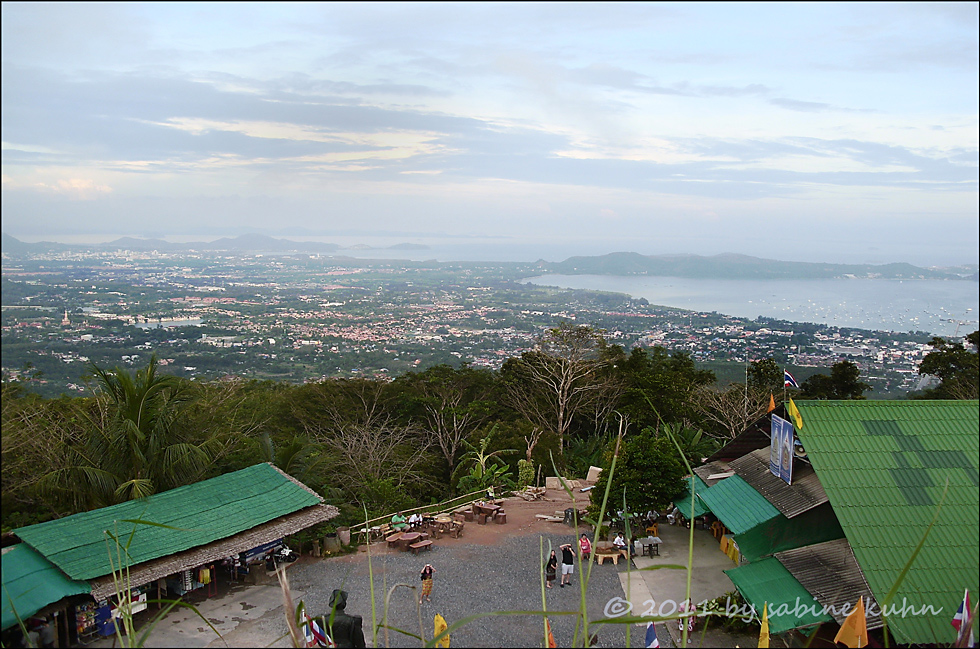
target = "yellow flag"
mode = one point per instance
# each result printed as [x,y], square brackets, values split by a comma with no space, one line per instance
[440,623]
[795,414]
[764,632]
[772,403]
[854,631]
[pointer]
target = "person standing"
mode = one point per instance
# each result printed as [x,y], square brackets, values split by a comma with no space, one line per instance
[551,569]
[567,564]
[586,547]
[426,577]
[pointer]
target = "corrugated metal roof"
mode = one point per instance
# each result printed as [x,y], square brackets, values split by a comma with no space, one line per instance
[201,513]
[31,582]
[738,505]
[884,466]
[831,574]
[790,605]
[753,437]
[683,501]
[712,468]
[791,500]
[231,546]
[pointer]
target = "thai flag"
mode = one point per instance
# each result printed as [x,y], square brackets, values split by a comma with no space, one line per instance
[651,639]
[315,636]
[961,621]
[789,381]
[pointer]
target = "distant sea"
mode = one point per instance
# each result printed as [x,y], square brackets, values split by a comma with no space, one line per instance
[932,306]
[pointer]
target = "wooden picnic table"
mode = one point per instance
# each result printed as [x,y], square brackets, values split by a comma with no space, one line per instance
[408,538]
[488,510]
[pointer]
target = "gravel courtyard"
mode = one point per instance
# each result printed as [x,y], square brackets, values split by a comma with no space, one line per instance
[469,579]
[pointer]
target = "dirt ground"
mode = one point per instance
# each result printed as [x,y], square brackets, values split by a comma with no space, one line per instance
[521,518]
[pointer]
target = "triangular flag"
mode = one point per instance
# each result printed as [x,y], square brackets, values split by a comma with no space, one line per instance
[795,414]
[764,632]
[551,637]
[440,626]
[772,403]
[854,631]
[651,641]
[963,622]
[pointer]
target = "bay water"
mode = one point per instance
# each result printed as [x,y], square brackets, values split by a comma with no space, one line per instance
[939,307]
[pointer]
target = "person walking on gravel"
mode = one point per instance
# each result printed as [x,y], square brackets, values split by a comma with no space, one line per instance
[551,569]
[426,576]
[567,564]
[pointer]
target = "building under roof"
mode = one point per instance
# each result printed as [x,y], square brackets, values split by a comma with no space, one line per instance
[889,467]
[874,476]
[163,534]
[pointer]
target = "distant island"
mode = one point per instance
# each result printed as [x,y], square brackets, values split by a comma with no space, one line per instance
[733,266]
[724,266]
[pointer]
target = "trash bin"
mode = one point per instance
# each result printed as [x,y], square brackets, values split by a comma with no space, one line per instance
[570,517]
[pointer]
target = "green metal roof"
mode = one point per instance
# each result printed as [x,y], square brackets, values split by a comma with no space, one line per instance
[790,605]
[31,582]
[739,506]
[884,466]
[683,501]
[202,513]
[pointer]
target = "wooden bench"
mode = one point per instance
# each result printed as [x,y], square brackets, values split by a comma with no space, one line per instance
[600,557]
[421,545]
[456,530]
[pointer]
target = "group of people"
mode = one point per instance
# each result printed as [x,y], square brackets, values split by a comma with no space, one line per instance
[400,523]
[567,562]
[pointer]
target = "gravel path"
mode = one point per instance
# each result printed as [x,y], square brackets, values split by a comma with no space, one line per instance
[469,579]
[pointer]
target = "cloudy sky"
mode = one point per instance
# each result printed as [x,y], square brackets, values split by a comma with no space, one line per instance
[823,132]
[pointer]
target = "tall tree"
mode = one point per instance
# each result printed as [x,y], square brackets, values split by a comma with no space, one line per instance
[667,380]
[955,364]
[563,377]
[450,404]
[729,410]
[649,470]
[135,444]
[843,383]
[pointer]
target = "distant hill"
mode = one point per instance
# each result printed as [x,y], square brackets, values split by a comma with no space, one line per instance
[243,243]
[408,246]
[732,266]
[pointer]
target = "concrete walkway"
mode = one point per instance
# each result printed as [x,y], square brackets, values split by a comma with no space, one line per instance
[245,616]
[662,590]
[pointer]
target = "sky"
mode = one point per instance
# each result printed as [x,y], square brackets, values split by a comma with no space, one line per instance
[838,132]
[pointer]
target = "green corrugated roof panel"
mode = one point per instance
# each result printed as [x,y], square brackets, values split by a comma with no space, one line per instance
[203,512]
[884,466]
[32,582]
[790,605]
[738,505]
[683,501]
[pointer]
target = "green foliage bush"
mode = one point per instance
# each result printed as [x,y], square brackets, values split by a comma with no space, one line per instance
[648,469]
[525,473]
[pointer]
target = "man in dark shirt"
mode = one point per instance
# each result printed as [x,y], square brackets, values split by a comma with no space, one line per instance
[567,567]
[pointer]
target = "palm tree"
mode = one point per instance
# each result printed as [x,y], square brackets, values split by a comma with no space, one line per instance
[134,446]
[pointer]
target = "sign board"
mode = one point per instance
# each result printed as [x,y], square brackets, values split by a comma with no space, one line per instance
[781,449]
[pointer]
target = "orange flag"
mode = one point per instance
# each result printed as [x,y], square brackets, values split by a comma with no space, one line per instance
[772,403]
[854,631]
[551,637]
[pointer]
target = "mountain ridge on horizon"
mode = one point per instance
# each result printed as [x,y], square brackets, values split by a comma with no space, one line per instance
[723,265]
